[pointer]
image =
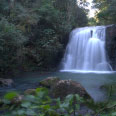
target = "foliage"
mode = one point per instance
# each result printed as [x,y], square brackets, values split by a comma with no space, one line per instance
[107,11]
[111,90]
[41,104]
[36,30]
[11,40]
[70,105]
[103,108]
[92,21]
[10,95]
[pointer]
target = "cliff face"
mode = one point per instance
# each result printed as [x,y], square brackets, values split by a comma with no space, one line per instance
[111,45]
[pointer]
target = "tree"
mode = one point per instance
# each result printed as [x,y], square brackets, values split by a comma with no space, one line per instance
[107,11]
[44,24]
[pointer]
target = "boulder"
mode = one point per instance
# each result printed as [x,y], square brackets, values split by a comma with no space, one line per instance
[65,87]
[49,82]
[6,82]
[30,91]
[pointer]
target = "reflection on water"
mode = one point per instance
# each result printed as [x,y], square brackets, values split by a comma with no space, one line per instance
[90,81]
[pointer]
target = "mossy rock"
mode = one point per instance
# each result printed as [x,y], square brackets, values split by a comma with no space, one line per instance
[49,82]
[66,87]
[30,91]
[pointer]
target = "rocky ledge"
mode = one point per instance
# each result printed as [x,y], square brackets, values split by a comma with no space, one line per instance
[111,45]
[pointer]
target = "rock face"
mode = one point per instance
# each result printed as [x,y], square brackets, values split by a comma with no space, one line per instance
[65,87]
[6,82]
[111,45]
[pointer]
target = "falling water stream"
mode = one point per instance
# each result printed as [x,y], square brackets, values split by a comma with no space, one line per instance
[86,50]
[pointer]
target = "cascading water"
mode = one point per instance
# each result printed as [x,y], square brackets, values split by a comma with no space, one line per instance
[86,50]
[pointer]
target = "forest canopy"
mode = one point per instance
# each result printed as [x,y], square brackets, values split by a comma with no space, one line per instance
[32,32]
[106,13]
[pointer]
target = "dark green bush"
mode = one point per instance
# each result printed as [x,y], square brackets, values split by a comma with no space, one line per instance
[32,33]
[41,104]
[11,41]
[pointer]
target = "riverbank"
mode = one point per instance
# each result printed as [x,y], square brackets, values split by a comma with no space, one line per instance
[90,81]
[55,97]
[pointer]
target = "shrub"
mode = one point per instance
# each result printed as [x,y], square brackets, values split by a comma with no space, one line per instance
[11,41]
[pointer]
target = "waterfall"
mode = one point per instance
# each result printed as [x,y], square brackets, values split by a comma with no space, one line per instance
[86,50]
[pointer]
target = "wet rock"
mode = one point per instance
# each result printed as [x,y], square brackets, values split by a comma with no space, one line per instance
[30,91]
[111,44]
[6,82]
[65,87]
[49,82]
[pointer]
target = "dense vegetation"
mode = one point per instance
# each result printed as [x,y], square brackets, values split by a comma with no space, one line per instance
[106,12]
[33,32]
[41,104]
[33,36]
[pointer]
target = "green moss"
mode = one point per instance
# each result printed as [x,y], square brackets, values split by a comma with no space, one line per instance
[49,82]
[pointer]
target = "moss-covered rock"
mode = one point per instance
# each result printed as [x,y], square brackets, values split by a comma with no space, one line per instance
[30,91]
[49,82]
[65,87]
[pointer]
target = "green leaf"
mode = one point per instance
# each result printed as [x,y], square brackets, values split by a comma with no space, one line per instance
[58,101]
[41,94]
[78,98]
[30,112]
[114,114]
[35,107]
[38,89]
[10,95]
[64,105]
[111,104]
[21,112]
[26,104]
[46,107]
[77,106]
[30,98]
[71,110]
[41,89]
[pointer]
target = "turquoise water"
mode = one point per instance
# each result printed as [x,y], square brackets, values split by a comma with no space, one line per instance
[90,81]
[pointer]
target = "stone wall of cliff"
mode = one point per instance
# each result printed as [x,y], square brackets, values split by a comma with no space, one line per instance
[111,45]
